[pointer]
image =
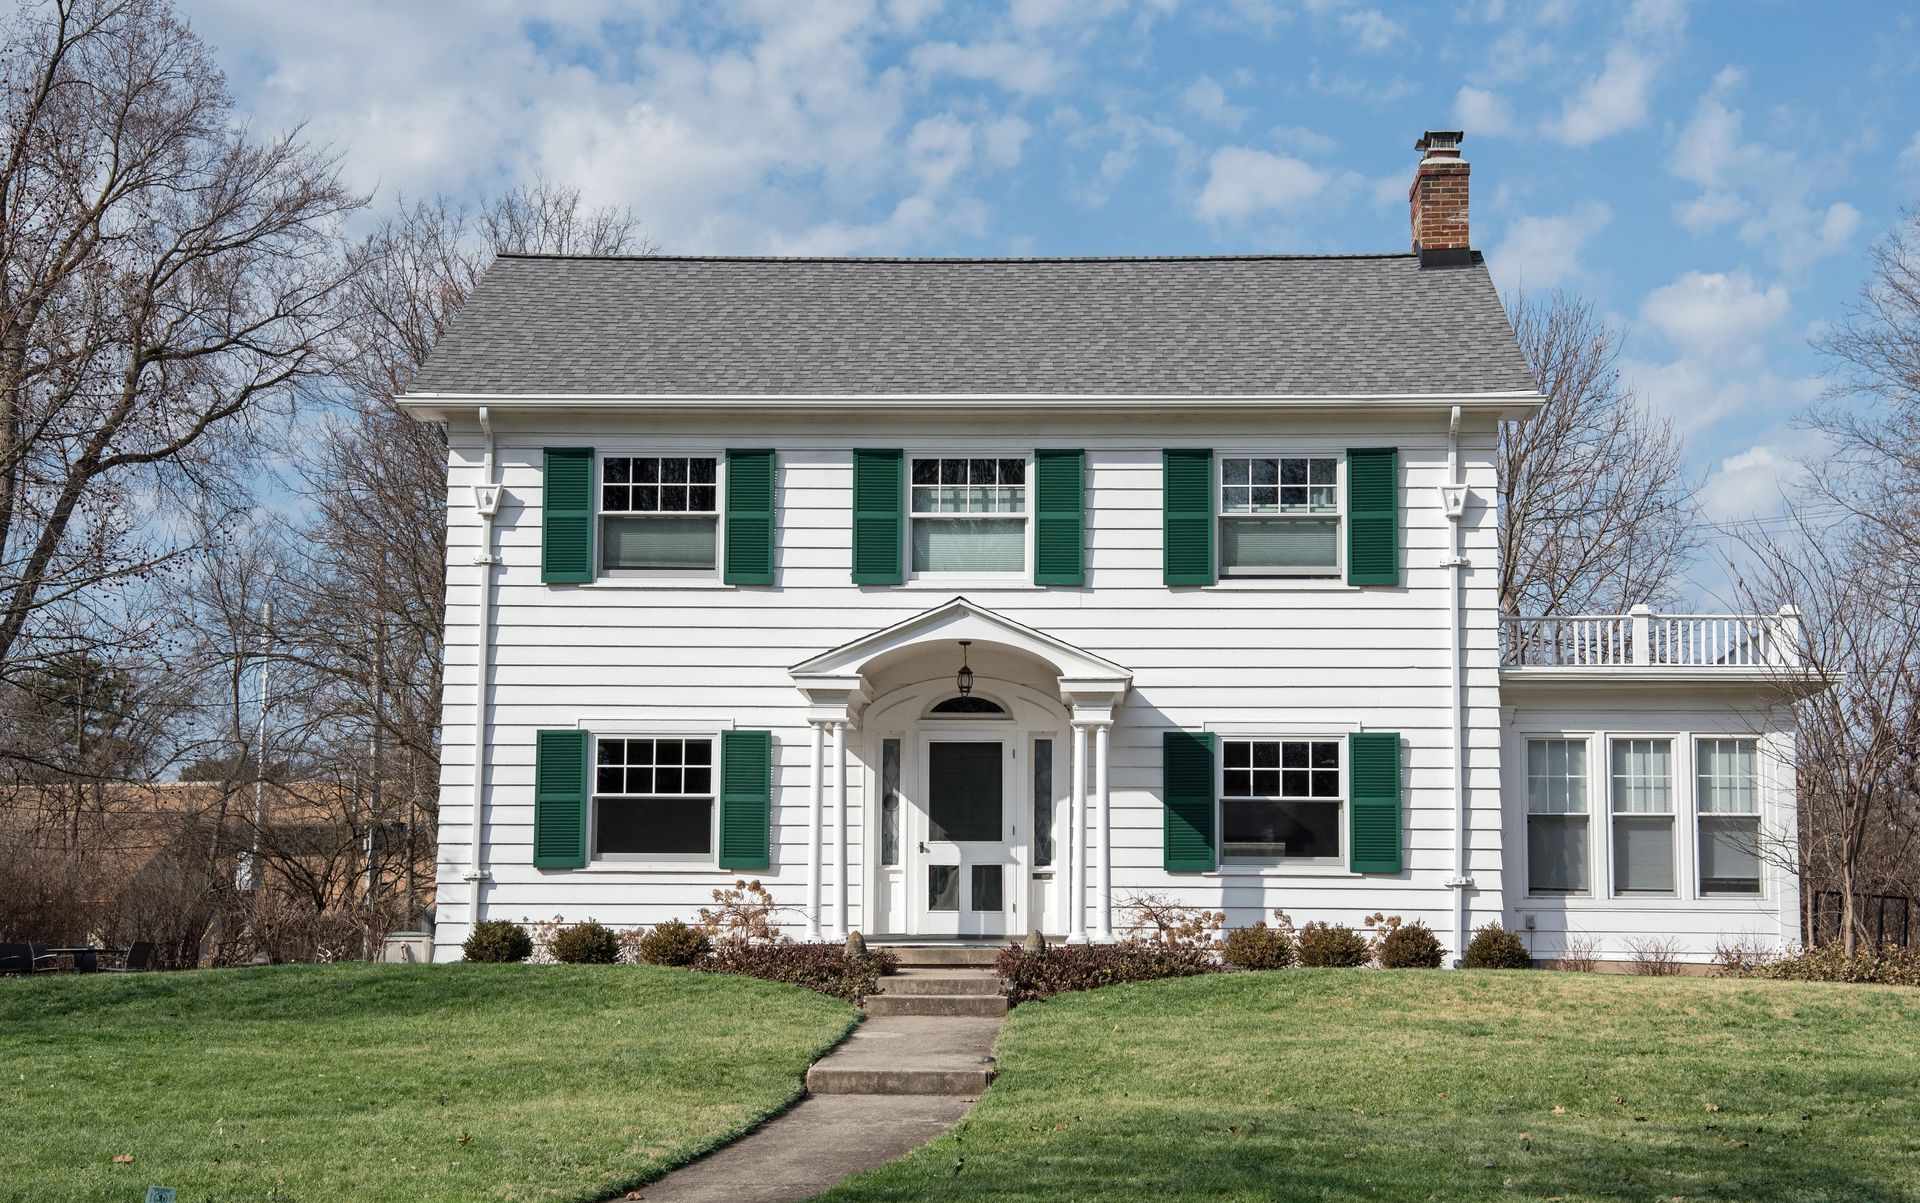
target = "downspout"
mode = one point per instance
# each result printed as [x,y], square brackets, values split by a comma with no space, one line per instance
[1454,498]
[486,501]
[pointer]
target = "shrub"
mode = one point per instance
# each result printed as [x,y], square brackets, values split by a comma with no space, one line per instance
[586,943]
[1332,946]
[744,914]
[1063,967]
[1409,946]
[823,967]
[1580,954]
[672,943]
[1157,919]
[1830,963]
[1494,947]
[1653,957]
[497,941]
[1259,947]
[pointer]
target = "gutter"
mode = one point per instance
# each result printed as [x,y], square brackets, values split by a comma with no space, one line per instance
[486,501]
[1454,499]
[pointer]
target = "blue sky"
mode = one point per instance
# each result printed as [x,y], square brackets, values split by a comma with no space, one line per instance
[1710,175]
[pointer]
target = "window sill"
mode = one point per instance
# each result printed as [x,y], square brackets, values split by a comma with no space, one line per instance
[1588,902]
[1269,584]
[650,867]
[706,584]
[949,584]
[1297,869]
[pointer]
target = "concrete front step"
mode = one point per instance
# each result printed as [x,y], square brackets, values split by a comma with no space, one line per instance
[939,981]
[924,956]
[985,1005]
[911,1054]
[830,1079]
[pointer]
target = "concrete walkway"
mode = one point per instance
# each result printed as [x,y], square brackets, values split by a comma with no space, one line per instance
[909,1072]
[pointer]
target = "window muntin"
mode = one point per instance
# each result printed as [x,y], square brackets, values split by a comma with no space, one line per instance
[1727,793]
[653,798]
[969,515]
[1642,808]
[660,514]
[1279,515]
[1280,799]
[1557,824]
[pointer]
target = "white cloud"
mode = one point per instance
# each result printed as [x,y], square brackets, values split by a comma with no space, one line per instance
[1003,139]
[1242,181]
[1544,252]
[938,149]
[1611,102]
[1014,66]
[1696,392]
[1207,100]
[1302,139]
[1478,111]
[1713,313]
[1909,159]
[1750,484]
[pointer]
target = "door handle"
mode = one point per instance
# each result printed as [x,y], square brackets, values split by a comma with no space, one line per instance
[923,847]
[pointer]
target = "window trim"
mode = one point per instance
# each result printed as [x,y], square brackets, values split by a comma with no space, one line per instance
[1242,861]
[713,576]
[1527,813]
[640,860]
[1701,816]
[1337,571]
[1024,573]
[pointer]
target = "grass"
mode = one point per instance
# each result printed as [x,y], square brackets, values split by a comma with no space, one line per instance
[314,1084]
[1343,1084]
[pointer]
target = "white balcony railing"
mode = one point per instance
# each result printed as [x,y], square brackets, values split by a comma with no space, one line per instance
[1642,638]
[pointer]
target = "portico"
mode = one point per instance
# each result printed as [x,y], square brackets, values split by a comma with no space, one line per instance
[968,826]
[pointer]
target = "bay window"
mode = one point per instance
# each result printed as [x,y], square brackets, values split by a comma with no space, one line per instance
[969,515]
[1279,515]
[653,799]
[660,514]
[1728,794]
[1557,822]
[1642,805]
[1281,799]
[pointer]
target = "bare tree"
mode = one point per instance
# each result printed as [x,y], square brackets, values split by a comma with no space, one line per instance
[164,281]
[1597,509]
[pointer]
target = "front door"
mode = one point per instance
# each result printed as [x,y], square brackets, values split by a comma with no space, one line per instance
[967,880]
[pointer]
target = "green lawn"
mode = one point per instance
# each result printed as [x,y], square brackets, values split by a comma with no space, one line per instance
[324,1084]
[1344,1084]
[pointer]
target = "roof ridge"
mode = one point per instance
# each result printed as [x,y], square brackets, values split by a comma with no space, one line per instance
[955,259]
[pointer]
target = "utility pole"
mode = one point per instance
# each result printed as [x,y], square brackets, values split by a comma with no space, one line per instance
[254,878]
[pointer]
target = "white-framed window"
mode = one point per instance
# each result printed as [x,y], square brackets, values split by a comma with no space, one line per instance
[653,798]
[1558,825]
[1642,808]
[1280,515]
[969,515]
[1281,799]
[660,515]
[1727,795]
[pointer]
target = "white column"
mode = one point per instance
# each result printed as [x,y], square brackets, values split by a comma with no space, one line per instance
[815,782]
[1077,817]
[1103,889]
[841,926]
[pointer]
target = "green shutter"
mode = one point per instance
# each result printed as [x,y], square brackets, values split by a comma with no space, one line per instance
[746,799]
[566,516]
[1060,521]
[1373,774]
[1187,537]
[877,517]
[749,518]
[1187,795]
[1373,516]
[559,799]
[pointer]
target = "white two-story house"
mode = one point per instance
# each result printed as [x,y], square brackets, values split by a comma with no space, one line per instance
[967,597]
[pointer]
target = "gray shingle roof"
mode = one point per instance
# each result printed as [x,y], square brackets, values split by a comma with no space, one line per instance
[1226,326]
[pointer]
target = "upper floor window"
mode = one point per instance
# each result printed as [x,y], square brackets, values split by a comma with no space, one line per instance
[1280,798]
[969,515]
[1279,515]
[660,514]
[1728,793]
[653,799]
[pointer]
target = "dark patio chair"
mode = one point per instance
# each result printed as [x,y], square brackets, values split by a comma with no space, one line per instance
[15,958]
[134,960]
[41,958]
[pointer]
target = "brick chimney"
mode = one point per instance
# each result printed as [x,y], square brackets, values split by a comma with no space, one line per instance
[1438,200]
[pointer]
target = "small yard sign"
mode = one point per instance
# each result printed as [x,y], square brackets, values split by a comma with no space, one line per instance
[159,1194]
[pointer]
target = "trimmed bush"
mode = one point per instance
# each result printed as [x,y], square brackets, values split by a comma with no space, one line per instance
[673,943]
[1494,947]
[586,943]
[1413,946]
[1830,963]
[1333,946]
[1259,947]
[498,941]
[823,967]
[1063,967]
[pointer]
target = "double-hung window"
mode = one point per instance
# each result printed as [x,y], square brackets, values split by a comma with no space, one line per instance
[653,798]
[660,514]
[1279,515]
[969,516]
[1557,822]
[1280,799]
[1728,794]
[1643,816]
